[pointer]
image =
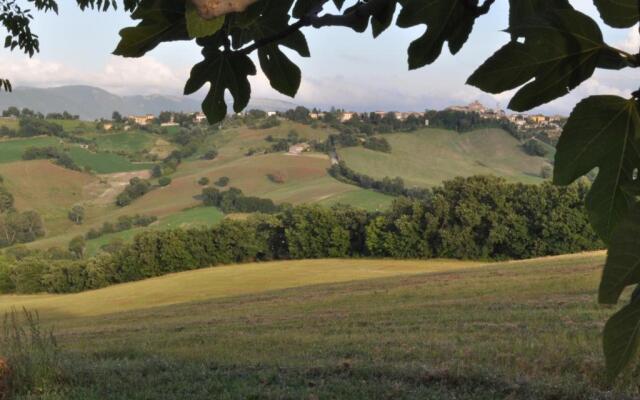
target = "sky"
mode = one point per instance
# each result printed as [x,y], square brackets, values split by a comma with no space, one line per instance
[346,69]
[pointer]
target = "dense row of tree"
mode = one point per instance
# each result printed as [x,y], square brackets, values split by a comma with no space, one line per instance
[124,223]
[136,188]
[59,157]
[234,201]
[391,186]
[473,218]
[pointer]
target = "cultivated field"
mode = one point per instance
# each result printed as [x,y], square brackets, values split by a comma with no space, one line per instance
[11,150]
[339,329]
[431,156]
[105,163]
[423,158]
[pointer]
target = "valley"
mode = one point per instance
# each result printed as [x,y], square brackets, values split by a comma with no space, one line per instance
[109,159]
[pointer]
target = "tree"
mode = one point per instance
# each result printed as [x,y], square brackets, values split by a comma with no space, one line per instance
[553,48]
[76,215]
[6,200]
[77,246]
[204,181]
[165,116]
[116,117]
[164,181]
[222,181]
[210,154]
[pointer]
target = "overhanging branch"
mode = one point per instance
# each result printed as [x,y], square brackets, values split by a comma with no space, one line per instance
[351,18]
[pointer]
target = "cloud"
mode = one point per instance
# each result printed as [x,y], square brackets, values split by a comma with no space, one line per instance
[631,42]
[119,75]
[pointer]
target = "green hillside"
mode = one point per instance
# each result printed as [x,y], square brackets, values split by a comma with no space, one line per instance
[431,156]
[347,329]
[12,149]
[105,163]
[423,158]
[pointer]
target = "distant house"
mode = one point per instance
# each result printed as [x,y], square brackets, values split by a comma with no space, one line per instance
[271,113]
[142,119]
[347,116]
[403,116]
[107,126]
[199,117]
[298,149]
[316,116]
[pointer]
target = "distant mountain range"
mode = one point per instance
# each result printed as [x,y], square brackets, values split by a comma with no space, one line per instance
[92,103]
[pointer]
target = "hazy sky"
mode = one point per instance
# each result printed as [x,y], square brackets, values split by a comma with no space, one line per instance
[347,69]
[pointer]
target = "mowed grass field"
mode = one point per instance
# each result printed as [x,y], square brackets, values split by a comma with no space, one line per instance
[105,163]
[47,188]
[11,150]
[124,141]
[430,156]
[347,329]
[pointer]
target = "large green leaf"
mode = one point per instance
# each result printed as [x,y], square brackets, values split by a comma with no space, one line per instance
[272,18]
[282,73]
[623,261]
[161,21]
[561,49]
[197,26]
[382,17]
[619,13]
[620,338]
[224,70]
[521,10]
[447,21]
[602,132]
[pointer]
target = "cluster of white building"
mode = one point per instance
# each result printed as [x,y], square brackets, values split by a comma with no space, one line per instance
[522,121]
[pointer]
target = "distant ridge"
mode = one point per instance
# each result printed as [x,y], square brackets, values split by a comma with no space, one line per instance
[92,103]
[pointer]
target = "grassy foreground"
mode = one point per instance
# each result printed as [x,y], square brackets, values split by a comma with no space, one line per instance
[339,329]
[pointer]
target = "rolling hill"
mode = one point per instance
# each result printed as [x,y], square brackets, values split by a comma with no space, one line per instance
[424,158]
[339,329]
[430,156]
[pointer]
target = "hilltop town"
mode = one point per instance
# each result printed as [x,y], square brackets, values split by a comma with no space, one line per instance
[550,125]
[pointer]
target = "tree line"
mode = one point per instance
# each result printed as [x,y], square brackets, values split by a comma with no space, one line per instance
[391,186]
[58,156]
[234,201]
[480,218]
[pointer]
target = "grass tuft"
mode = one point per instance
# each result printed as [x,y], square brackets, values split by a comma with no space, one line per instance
[30,354]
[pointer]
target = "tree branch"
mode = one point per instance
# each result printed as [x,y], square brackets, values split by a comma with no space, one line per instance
[348,19]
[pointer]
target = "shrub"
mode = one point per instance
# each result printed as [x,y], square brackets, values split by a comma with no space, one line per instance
[210,154]
[156,171]
[277,177]
[136,188]
[164,181]
[222,181]
[76,215]
[534,147]
[6,200]
[123,199]
[204,181]
[77,247]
